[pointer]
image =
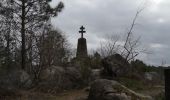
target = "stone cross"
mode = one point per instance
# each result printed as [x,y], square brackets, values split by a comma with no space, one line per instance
[82,45]
[82,31]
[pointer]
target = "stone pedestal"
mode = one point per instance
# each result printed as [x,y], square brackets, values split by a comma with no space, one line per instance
[167,83]
[81,48]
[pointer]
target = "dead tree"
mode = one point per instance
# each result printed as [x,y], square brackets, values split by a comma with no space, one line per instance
[109,47]
[130,46]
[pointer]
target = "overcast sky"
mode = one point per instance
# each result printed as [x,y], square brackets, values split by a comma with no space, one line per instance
[109,17]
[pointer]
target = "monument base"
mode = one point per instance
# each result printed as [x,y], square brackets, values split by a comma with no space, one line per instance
[81,48]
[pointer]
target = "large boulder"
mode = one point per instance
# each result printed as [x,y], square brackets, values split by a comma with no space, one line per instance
[104,89]
[151,76]
[52,79]
[73,73]
[12,81]
[58,78]
[52,73]
[115,66]
[18,79]
[96,74]
[58,72]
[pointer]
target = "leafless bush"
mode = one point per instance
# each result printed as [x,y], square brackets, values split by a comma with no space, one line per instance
[129,48]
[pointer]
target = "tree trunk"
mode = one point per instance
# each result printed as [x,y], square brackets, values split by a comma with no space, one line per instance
[23,51]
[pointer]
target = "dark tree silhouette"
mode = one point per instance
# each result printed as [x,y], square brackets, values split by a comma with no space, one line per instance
[29,16]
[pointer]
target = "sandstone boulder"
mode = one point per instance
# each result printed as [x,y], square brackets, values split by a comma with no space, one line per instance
[104,89]
[20,78]
[58,78]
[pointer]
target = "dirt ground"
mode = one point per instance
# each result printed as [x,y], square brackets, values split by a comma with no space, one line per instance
[80,94]
[66,95]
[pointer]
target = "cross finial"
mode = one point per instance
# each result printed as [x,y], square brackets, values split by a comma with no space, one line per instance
[82,31]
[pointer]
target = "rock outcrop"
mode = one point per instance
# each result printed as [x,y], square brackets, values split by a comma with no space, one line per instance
[104,89]
[16,79]
[58,78]
[115,66]
[153,77]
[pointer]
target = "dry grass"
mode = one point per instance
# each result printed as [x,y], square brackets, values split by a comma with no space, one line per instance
[66,95]
[72,95]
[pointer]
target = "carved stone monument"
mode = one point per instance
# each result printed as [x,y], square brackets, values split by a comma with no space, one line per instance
[81,46]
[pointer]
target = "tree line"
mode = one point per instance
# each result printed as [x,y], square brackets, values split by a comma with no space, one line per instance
[27,39]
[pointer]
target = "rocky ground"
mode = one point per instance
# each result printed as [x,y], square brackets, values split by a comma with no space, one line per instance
[112,81]
[78,94]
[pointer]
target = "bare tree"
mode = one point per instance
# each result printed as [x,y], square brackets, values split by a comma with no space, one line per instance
[49,49]
[29,17]
[7,30]
[129,48]
[110,46]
